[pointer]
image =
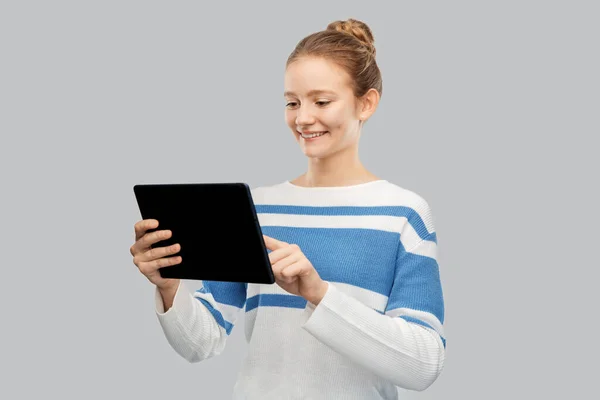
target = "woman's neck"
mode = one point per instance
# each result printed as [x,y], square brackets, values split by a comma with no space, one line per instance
[337,170]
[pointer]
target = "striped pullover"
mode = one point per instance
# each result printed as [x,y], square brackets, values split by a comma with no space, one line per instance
[380,324]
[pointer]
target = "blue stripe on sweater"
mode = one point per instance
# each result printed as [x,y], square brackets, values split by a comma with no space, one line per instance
[217,315]
[417,285]
[365,258]
[230,293]
[275,300]
[393,211]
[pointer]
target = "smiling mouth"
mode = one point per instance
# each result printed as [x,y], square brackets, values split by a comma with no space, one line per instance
[312,135]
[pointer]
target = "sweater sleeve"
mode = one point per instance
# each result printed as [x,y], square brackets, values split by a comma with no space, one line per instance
[405,344]
[198,324]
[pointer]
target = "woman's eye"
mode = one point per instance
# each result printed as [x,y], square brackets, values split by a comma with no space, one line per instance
[323,103]
[291,104]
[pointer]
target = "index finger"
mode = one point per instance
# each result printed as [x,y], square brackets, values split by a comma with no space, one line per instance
[142,226]
[274,244]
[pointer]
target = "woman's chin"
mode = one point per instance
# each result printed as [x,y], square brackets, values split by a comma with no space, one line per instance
[315,153]
[316,148]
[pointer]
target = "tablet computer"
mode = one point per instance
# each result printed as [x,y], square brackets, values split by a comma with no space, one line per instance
[215,224]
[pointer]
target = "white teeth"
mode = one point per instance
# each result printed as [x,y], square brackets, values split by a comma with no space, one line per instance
[313,135]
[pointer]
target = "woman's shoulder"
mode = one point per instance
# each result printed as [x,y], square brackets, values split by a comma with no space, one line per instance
[414,207]
[395,194]
[264,189]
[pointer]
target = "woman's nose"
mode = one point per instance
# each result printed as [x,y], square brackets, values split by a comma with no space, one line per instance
[304,117]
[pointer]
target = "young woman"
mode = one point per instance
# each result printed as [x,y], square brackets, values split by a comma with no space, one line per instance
[357,307]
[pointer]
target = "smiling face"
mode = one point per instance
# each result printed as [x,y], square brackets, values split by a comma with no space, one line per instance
[321,109]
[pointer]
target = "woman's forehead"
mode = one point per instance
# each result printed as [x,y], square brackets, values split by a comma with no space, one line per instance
[307,77]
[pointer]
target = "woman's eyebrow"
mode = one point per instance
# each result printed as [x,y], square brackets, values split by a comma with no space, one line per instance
[310,93]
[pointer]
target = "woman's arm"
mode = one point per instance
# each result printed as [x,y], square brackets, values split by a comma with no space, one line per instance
[406,344]
[197,325]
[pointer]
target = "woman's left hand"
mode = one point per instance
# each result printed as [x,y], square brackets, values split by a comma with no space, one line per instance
[294,272]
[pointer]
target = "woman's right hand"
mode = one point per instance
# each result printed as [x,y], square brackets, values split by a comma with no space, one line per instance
[149,260]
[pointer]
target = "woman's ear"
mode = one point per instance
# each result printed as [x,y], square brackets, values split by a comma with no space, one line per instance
[368,104]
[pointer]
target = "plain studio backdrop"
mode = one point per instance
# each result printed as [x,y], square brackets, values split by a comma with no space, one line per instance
[490,111]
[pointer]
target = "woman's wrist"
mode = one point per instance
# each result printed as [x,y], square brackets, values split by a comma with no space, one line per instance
[316,297]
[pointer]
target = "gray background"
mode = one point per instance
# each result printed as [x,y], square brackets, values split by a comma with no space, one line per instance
[490,112]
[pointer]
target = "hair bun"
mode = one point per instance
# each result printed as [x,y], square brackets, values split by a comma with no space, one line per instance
[356,28]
